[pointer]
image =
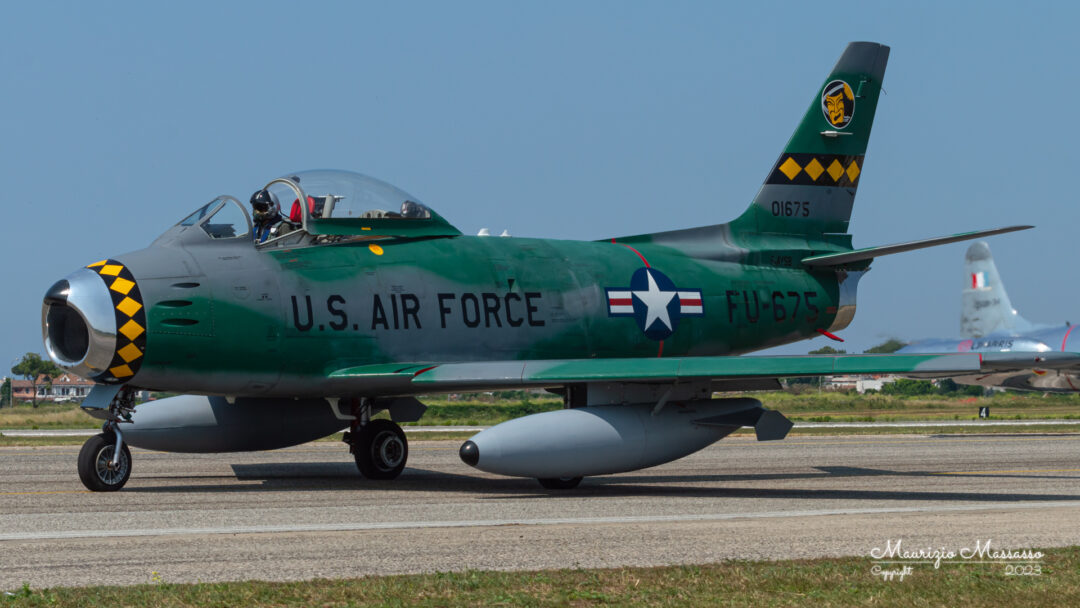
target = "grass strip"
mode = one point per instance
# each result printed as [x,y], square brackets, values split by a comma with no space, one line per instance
[820,582]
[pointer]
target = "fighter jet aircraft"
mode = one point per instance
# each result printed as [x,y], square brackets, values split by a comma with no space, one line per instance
[366,298]
[990,324]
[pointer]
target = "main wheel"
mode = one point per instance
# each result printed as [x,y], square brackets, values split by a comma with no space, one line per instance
[96,468]
[381,450]
[559,483]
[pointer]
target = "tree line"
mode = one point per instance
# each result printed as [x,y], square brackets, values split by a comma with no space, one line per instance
[31,367]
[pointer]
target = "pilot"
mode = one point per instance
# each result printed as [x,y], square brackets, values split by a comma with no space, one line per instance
[267,214]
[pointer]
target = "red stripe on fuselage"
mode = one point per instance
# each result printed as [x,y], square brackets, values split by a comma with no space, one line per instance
[643,260]
[1066,338]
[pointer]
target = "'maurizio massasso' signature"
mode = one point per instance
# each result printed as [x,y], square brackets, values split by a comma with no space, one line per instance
[982,551]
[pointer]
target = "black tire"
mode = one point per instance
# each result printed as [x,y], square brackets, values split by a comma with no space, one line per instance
[381,450]
[560,483]
[95,460]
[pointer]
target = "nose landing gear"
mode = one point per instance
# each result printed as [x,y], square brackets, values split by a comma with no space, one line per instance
[105,460]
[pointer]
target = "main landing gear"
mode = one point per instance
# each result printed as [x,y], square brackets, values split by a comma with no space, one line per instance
[559,483]
[379,446]
[104,460]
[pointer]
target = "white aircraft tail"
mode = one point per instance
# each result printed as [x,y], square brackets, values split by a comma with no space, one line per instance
[985,307]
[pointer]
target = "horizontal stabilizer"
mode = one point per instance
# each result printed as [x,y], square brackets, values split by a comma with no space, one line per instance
[869,253]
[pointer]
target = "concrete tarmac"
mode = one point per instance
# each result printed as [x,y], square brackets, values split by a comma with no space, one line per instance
[304,512]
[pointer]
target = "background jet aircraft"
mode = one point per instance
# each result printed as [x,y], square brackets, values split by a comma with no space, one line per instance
[374,298]
[990,324]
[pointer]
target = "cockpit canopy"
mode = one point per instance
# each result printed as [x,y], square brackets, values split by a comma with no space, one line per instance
[340,205]
[346,195]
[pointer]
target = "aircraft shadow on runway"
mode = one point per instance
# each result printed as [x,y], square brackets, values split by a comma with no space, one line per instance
[340,476]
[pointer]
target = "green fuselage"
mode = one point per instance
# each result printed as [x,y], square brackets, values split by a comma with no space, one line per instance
[279,321]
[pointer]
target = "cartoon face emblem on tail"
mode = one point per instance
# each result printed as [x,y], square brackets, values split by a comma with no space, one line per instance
[655,303]
[838,103]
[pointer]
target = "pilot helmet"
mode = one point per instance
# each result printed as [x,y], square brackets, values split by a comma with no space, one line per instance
[264,203]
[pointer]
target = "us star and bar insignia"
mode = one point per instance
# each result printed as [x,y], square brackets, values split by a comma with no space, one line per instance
[655,303]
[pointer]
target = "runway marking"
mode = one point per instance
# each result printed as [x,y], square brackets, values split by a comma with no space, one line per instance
[1007,472]
[485,523]
[45,492]
[931,424]
[32,453]
[933,440]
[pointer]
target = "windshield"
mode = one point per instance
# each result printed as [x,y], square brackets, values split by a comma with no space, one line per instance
[221,218]
[201,212]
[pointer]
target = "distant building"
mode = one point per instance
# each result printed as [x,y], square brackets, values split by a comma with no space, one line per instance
[69,387]
[859,384]
[873,383]
[63,388]
[21,390]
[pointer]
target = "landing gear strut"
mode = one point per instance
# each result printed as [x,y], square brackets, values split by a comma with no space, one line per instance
[105,460]
[379,446]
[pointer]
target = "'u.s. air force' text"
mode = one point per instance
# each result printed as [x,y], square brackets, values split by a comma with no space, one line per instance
[403,311]
[506,310]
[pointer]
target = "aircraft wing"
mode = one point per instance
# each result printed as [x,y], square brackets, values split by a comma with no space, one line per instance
[505,375]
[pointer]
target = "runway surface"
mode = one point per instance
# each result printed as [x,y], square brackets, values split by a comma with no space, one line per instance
[304,512]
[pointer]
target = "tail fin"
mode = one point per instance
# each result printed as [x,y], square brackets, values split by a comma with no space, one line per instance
[985,307]
[811,188]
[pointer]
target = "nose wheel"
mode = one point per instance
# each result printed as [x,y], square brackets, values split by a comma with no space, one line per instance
[101,468]
[380,449]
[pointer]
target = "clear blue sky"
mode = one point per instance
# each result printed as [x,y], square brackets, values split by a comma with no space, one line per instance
[569,120]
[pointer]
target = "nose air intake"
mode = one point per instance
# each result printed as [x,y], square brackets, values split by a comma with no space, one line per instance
[65,328]
[94,323]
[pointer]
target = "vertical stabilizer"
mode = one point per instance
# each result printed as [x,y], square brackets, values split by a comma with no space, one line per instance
[985,307]
[811,188]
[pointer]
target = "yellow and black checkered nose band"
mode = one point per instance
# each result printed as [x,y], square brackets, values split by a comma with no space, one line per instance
[817,170]
[130,321]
